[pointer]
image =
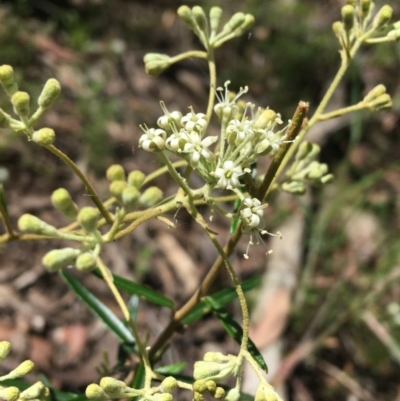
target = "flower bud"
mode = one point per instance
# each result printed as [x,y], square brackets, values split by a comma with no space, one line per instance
[9,394]
[185,13]
[247,23]
[87,218]
[381,102]
[304,149]
[374,93]
[266,392]
[44,136]
[382,17]
[212,356]
[200,18]
[219,393]
[59,258]
[156,63]
[130,197]
[233,394]
[351,2]
[50,93]
[85,262]
[326,179]
[33,225]
[265,118]
[115,173]
[211,386]
[199,386]
[294,187]
[215,17]
[20,101]
[365,7]
[213,370]
[62,201]
[136,178]
[338,29]
[5,348]
[95,391]
[116,188]
[235,22]
[151,196]
[198,396]
[22,369]
[7,79]
[348,14]
[112,386]
[37,390]
[169,384]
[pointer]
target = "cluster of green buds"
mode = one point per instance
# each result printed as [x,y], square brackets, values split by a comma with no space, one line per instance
[377,99]
[207,31]
[110,388]
[126,190]
[36,392]
[21,106]
[305,170]
[359,22]
[265,392]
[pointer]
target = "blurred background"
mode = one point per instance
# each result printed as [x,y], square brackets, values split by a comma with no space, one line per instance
[329,307]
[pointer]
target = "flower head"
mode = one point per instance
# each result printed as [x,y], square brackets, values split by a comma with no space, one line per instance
[197,148]
[153,140]
[194,121]
[228,175]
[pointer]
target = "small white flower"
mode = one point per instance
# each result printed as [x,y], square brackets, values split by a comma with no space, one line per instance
[197,148]
[153,140]
[177,141]
[194,121]
[237,131]
[226,103]
[228,175]
[169,119]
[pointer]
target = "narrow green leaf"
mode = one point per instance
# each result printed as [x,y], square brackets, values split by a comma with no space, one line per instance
[219,299]
[139,289]
[171,370]
[98,308]
[234,329]
[138,380]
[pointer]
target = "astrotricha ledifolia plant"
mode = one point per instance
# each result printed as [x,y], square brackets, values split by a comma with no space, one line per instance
[225,161]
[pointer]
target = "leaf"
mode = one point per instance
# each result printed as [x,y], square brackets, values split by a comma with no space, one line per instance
[99,309]
[234,329]
[138,289]
[171,370]
[138,380]
[219,299]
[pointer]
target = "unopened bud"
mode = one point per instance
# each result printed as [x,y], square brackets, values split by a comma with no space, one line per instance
[130,197]
[200,18]
[211,386]
[62,201]
[382,17]
[112,386]
[365,7]
[156,63]
[381,102]
[265,118]
[374,93]
[338,29]
[5,348]
[7,79]
[37,390]
[304,149]
[326,179]
[23,369]
[44,136]
[198,396]
[33,225]
[199,386]
[212,356]
[9,394]
[136,178]
[235,22]
[294,187]
[348,14]
[213,370]
[115,172]
[20,101]
[233,394]
[59,258]
[87,218]
[169,384]
[151,196]
[266,392]
[247,23]
[50,93]
[215,17]
[116,188]
[85,262]
[95,391]
[219,393]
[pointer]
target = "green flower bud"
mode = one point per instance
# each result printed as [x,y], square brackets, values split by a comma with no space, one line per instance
[185,13]
[7,79]
[22,369]
[365,7]
[112,386]
[151,196]
[266,392]
[5,348]
[351,2]
[233,395]
[265,118]
[20,102]
[217,357]
[200,18]
[248,22]
[95,391]
[87,218]
[62,201]
[130,197]
[381,102]
[393,35]
[136,178]
[44,137]
[9,394]
[215,17]
[156,63]
[338,29]
[199,386]
[304,149]
[50,93]
[326,179]
[235,22]
[213,370]
[294,187]
[33,225]
[168,384]
[115,173]
[211,386]
[116,188]
[382,17]
[198,396]
[374,93]
[85,262]
[37,390]
[59,258]
[348,14]
[219,393]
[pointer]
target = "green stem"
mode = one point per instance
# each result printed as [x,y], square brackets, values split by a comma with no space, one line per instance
[341,112]
[213,85]
[189,54]
[163,170]
[91,191]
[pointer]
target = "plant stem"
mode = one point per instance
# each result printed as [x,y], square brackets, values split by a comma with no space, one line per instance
[213,84]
